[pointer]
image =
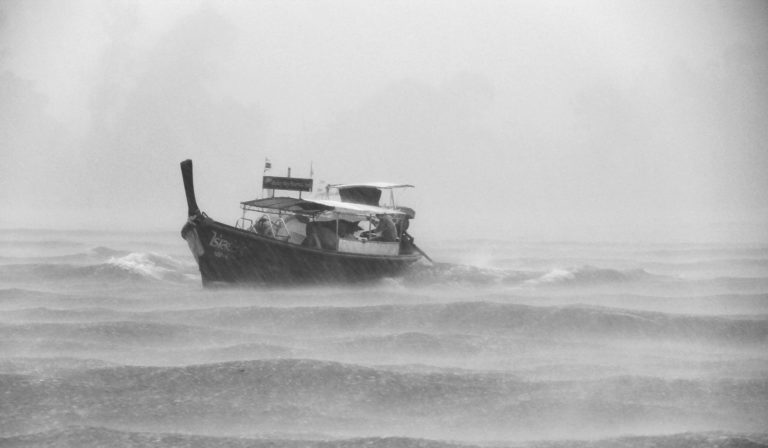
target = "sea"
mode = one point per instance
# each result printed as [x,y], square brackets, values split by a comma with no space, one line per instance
[108,339]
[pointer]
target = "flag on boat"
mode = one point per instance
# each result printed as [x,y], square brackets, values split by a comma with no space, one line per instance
[267,164]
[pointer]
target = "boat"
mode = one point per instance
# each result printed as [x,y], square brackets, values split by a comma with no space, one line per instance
[285,239]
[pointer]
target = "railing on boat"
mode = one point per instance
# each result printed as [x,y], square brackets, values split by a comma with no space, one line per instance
[279,230]
[240,224]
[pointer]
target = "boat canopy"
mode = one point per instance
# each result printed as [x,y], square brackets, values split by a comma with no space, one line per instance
[366,193]
[358,209]
[315,206]
[288,204]
[380,185]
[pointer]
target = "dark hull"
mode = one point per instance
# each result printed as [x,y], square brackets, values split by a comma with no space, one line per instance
[226,254]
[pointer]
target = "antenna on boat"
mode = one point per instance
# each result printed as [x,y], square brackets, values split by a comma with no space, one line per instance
[267,167]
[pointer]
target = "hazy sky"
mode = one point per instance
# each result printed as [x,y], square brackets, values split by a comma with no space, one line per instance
[614,120]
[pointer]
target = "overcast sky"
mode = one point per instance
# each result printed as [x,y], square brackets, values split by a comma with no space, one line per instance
[608,120]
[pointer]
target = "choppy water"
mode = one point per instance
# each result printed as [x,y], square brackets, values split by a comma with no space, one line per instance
[108,339]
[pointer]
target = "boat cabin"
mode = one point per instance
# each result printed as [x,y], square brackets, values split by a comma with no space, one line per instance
[349,218]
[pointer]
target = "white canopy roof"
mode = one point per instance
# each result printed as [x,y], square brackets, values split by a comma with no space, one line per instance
[357,209]
[382,185]
[314,206]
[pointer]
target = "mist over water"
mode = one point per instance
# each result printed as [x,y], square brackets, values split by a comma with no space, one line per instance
[599,120]
[536,133]
[109,339]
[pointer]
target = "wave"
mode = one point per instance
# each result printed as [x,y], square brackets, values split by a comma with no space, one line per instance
[451,274]
[133,266]
[44,314]
[51,306]
[94,254]
[446,276]
[107,264]
[97,437]
[54,366]
[20,294]
[485,318]
[413,343]
[122,333]
[448,273]
[716,252]
[64,272]
[269,395]
[152,265]
[590,275]
[40,243]
[455,329]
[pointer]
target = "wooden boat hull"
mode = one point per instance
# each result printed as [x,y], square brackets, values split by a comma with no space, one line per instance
[228,255]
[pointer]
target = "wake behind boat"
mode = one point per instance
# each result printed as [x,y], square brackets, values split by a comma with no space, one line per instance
[294,240]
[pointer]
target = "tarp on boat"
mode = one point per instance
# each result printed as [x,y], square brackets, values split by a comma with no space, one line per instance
[288,204]
[381,185]
[320,205]
[361,195]
[357,209]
